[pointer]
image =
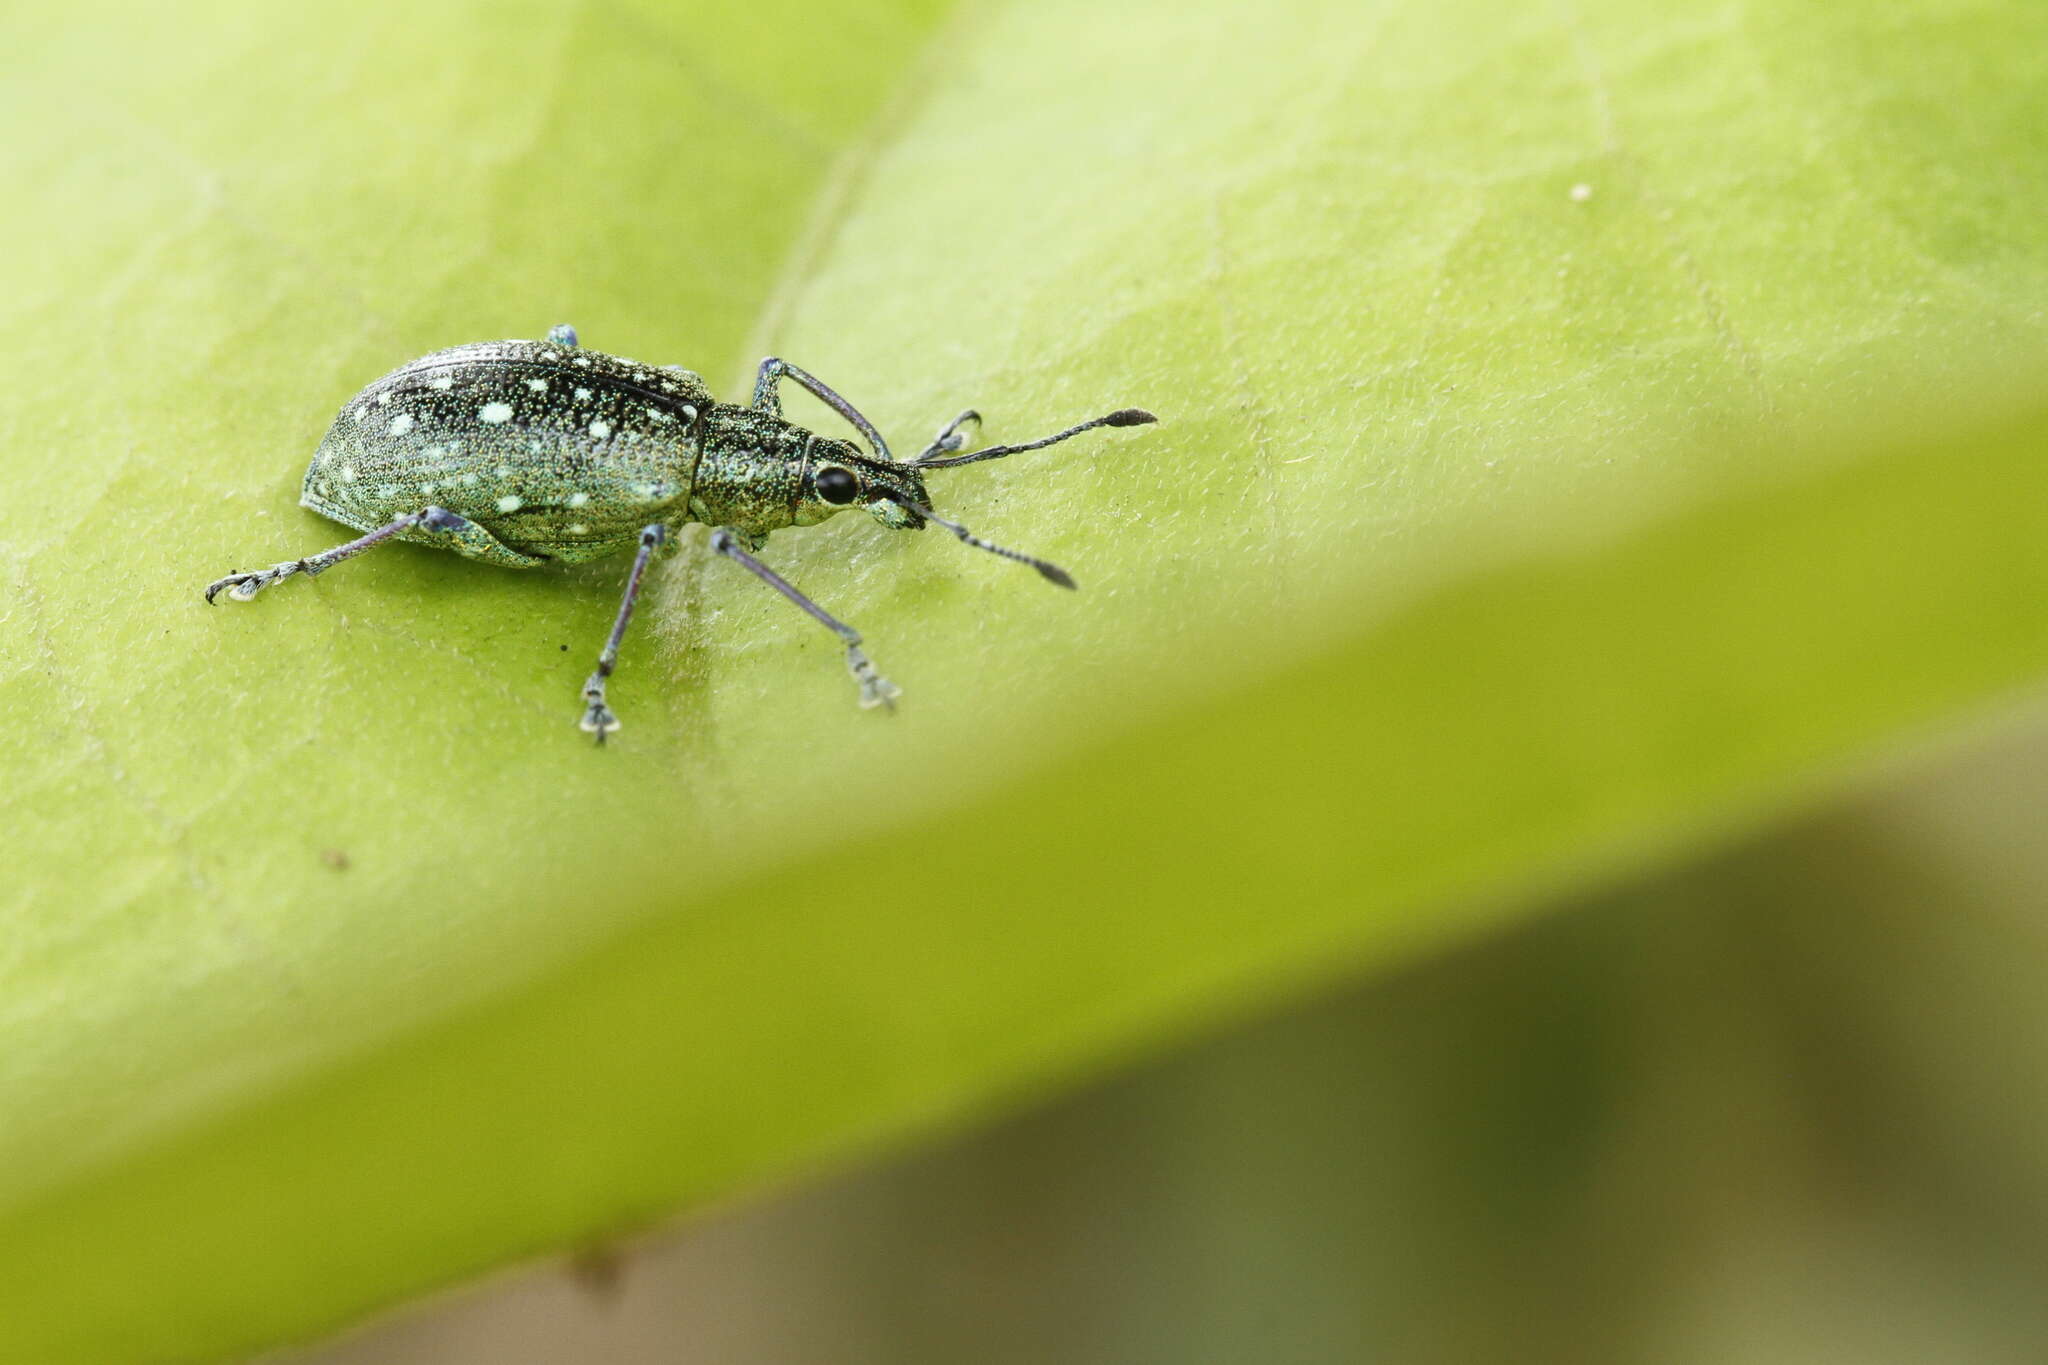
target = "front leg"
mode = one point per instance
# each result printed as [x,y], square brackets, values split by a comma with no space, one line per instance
[597,717]
[951,437]
[766,399]
[875,690]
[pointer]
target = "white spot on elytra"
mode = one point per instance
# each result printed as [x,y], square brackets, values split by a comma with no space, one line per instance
[503,471]
[579,529]
[363,413]
[387,490]
[494,413]
[383,398]
[427,490]
[443,382]
[469,480]
[647,490]
[508,503]
[689,413]
[401,424]
[583,393]
[658,415]
[578,499]
[348,473]
[582,360]
[600,428]
[537,385]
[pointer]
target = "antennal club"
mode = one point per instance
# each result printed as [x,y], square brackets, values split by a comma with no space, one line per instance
[1052,572]
[949,439]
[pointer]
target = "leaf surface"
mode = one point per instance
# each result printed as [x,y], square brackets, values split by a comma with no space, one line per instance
[1584,430]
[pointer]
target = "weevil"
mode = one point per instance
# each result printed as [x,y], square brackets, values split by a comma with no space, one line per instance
[529,453]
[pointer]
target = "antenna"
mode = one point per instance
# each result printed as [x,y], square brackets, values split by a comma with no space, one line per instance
[1052,572]
[950,440]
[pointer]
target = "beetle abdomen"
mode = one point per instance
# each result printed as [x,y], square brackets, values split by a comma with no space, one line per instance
[557,452]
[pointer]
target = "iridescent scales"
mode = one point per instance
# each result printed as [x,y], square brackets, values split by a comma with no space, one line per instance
[520,435]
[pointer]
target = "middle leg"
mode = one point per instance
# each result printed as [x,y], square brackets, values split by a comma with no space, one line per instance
[597,717]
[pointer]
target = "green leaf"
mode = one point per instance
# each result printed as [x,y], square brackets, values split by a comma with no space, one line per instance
[1516,513]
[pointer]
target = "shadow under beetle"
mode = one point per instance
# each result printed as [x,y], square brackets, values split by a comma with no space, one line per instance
[524,453]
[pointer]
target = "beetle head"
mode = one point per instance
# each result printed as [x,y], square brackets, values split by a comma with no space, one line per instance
[841,476]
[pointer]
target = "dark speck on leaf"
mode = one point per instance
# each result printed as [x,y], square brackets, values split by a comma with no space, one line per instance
[598,1269]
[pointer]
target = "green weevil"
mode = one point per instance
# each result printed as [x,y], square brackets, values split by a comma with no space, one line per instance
[526,453]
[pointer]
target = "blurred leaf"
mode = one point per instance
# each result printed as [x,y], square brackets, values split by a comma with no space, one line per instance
[1768,1105]
[1515,515]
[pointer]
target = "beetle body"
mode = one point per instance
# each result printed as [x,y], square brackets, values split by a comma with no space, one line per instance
[525,453]
[560,454]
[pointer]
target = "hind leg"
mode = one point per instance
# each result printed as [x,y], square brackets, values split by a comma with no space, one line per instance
[462,534]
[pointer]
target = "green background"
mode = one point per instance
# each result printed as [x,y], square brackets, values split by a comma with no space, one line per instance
[1586,432]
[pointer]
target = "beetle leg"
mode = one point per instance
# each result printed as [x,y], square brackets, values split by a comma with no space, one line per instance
[951,437]
[597,717]
[766,399]
[875,690]
[243,586]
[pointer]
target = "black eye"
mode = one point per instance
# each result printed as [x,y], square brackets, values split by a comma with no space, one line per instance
[836,485]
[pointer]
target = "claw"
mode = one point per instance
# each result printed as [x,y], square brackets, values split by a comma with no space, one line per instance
[599,721]
[243,586]
[955,437]
[240,586]
[875,690]
[597,717]
[952,436]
